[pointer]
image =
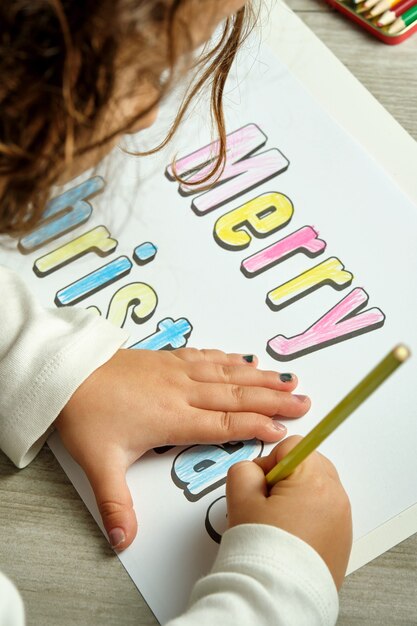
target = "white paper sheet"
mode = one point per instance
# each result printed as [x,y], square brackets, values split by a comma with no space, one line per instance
[366,223]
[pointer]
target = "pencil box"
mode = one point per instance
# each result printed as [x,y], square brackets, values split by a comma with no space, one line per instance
[348,8]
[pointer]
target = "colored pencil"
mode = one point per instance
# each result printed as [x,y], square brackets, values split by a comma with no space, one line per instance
[328,424]
[407,18]
[368,4]
[389,16]
[381,6]
[362,9]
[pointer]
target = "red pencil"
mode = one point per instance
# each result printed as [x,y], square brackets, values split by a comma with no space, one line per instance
[389,16]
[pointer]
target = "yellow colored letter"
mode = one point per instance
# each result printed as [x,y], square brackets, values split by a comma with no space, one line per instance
[96,240]
[330,272]
[261,216]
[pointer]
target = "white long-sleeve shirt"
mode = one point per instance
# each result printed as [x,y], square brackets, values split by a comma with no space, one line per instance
[262,575]
[45,354]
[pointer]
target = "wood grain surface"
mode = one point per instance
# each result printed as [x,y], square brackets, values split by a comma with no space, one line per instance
[50,545]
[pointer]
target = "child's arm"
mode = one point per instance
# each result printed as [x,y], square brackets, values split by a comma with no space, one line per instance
[285,553]
[113,404]
[45,354]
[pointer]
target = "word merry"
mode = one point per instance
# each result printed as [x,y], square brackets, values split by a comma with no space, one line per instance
[261,217]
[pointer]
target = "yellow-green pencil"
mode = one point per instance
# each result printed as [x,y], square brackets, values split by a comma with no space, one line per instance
[337,415]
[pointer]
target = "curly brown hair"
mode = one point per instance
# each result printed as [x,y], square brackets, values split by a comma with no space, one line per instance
[59,60]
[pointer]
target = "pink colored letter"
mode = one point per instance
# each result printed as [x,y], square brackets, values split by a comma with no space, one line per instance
[340,323]
[241,173]
[303,240]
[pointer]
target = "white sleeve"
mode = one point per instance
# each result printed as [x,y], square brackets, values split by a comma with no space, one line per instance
[263,575]
[11,605]
[45,354]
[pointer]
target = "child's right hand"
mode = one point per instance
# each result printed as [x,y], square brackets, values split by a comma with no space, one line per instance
[310,504]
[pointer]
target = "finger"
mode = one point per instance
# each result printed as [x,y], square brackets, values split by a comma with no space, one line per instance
[192,355]
[114,502]
[278,453]
[245,484]
[222,426]
[228,397]
[235,375]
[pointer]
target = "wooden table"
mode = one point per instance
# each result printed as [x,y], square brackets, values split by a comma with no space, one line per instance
[50,544]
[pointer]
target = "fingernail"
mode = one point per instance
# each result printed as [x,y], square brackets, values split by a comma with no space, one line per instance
[116,537]
[285,378]
[278,426]
[299,397]
[248,358]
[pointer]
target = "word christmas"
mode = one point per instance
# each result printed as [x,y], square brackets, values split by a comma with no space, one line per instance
[66,213]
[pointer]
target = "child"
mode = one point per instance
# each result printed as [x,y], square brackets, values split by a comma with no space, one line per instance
[75,77]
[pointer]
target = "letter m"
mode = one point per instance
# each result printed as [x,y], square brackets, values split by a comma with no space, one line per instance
[244,170]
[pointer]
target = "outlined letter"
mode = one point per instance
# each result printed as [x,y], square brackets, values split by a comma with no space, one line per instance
[97,240]
[342,322]
[93,282]
[140,296]
[261,216]
[168,336]
[305,239]
[63,214]
[330,272]
[242,171]
[216,519]
[200,469]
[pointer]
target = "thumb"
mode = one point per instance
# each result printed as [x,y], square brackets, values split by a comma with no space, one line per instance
[245,486]
[278,453]
[114,502]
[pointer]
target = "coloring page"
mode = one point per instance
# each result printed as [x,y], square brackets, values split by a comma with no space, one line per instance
[303,253]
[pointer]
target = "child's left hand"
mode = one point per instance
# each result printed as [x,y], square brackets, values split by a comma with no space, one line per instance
[142,399]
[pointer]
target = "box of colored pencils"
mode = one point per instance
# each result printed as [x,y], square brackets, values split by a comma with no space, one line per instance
[392,21]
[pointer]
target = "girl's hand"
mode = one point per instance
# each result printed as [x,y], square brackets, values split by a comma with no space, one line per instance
[311,504]
[142,399]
